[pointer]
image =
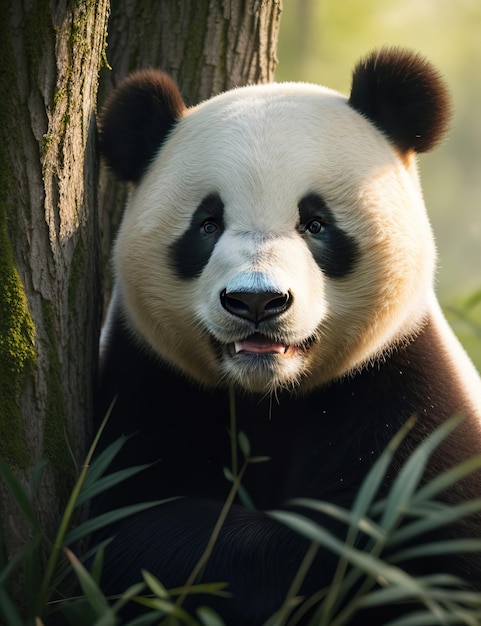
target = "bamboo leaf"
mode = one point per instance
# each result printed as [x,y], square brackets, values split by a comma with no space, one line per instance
[98,561]
[20,494]
[410,475]
[100,464]
[152,617]
[8,611]
[215,589]
[376,475]
[91,590]
[437,548]
[244,444]
[15,561]
[385,596]
[155,585]
[129,594]
[447,479]
[334,511]
[167,607]
[94,488]
[435,519]
[429,619]
[244,497]
[258,459]
[208,617]
[95,523]
[367,562]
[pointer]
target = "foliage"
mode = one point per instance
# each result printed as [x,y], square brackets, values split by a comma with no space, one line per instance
[465,317]
[410,509]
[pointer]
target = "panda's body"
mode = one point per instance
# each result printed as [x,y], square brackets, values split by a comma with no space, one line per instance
[275,256]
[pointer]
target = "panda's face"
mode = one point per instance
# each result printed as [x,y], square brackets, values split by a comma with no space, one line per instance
[276,241]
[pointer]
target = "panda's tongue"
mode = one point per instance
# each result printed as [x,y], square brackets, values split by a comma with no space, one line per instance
[260,344]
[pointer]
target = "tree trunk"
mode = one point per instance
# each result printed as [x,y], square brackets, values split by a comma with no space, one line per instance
[207,46]
[50,254]
[49,245]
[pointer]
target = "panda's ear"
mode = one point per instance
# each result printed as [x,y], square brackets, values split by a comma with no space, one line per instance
[404,96]
[135,120]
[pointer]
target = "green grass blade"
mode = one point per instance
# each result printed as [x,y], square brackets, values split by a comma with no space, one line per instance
[410,475]
[358,521]
[376,475]
[437,548]
[152,617]
[92,592]
[8,611]
[98,561]
[167,607]
[155,586]
[59,541]
[448,590]
[20,494]
[243,496]
[434,520]
[208,617]
[429,619]
[96,523]
[386,596]
[128,595]
[447,479]
[16,560]
[334,511]
[33,565]
[214,589]
[368,563]
[101,463]
[94,488]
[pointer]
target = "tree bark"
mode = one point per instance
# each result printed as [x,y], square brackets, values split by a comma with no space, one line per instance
[207,46]
[50,252]
[49,245]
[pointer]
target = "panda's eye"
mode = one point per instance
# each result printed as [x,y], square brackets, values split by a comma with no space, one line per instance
[315,225]
[209,227]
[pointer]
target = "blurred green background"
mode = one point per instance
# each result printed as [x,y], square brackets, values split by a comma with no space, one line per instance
[321,41]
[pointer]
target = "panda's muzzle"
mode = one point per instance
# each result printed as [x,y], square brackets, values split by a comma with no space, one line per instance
[255,306]
[258,306]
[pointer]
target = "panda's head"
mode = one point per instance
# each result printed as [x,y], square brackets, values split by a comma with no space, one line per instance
[276,235]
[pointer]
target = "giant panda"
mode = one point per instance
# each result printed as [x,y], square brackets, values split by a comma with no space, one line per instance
[274,290]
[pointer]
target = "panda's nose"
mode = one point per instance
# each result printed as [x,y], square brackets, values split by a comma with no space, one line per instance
[255,306]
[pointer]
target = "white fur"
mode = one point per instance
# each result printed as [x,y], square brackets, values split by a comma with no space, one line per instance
[262,148]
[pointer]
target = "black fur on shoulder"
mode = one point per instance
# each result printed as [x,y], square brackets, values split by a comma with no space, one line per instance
[136,119]
[404,96]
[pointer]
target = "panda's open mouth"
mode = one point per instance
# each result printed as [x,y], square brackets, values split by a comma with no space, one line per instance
[259,363]
[261,344]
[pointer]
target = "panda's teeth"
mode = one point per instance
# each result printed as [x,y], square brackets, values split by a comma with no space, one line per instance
[260,347]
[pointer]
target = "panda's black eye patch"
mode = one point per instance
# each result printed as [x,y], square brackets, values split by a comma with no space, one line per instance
[314,215]
[191,251]
[333,249]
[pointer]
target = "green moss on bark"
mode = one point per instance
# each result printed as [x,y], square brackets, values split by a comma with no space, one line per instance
[17,353]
